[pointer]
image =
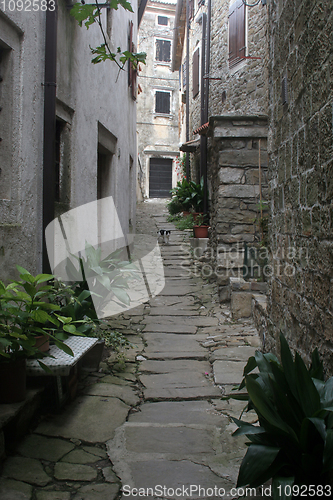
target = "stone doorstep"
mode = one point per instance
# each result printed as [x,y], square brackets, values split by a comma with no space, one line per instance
[17,417]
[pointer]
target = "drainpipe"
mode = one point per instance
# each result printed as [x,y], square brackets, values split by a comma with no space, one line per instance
[203,149]
[187,164]
[49,125]
[206,88]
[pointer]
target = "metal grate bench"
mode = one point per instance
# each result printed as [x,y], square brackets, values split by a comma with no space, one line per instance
[62,364]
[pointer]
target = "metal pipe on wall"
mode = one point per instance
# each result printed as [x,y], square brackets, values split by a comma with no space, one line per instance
[50,78]
[187,94]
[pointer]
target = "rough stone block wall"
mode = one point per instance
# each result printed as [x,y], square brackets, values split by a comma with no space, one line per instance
[235,192]
[246,85]
[301,172]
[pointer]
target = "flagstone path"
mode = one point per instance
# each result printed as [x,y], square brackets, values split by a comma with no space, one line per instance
[160,424]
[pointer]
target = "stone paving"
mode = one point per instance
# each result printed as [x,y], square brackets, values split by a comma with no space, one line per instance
[161,423]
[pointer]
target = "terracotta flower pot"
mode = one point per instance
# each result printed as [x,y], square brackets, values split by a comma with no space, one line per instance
[200,231]
[13,381]
[42,343]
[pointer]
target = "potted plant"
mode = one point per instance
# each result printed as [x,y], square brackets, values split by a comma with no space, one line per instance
[27,312]
[293,441]
[200,227]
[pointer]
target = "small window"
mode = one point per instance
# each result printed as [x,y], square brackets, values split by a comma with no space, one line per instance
[162,102]
[237,45]
[163,50]
[195,68]
[162,20]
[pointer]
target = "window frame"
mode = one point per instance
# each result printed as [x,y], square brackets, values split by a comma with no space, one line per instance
[237,34]
[162,39]
[164,91]
[162,17]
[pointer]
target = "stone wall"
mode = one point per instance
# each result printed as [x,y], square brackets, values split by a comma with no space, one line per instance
[244,88]
[235,191]
[301,171]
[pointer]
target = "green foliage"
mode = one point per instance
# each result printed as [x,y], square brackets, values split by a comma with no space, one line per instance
[111,277]
[28,309]
[182,222]
[119,343]
[293,443]
[89,14]
[201,220]
[189,194]
[174,206]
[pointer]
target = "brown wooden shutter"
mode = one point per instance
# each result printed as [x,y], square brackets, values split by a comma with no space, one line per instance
[195,69]
[241,29]
[232,34]
[236,33]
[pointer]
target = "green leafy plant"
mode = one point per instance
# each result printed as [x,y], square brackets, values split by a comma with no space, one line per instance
[110,277]
[293,441]
[174,206]
[89,14]
[119,343]
[27,310]
[189,195]
[201,220]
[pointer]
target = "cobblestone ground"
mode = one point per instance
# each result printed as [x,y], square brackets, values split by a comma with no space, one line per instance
[159,429]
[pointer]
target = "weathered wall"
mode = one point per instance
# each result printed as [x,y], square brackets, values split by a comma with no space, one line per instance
[236,181]
[87,95]
[157,134]
[21,130]
[301,147]
[246,85]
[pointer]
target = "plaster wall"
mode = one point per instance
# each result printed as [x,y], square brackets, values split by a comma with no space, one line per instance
[157,133]
[88,97]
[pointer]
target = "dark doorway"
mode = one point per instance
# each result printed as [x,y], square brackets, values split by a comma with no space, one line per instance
[160,178]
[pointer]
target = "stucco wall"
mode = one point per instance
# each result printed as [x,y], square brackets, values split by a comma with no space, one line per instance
[157,134]
[21,124]
[301,147]
[87,95]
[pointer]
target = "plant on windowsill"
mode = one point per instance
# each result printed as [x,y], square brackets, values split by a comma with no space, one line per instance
[293,443]
[27,312]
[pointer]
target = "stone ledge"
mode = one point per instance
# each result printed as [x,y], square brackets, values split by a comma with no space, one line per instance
[15,418]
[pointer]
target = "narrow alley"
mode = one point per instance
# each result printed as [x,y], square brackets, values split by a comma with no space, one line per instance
[159,429]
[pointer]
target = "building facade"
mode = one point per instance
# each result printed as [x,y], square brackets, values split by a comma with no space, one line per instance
[68,127]
[157,122]
[300,302]
[221,50]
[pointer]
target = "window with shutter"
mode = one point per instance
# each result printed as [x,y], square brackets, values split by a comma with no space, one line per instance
[162,20]
[237,44]
[195,68]
[163,50]
[162,102]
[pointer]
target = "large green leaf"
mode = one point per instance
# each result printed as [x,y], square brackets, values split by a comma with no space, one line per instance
[263,405]
[70,329]
[122,295]
[64,347]
[288,365]
[246,428]
[40,316]
[308,395]
[257,460]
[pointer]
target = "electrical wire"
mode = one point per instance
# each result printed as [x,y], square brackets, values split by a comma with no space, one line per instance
[251,5]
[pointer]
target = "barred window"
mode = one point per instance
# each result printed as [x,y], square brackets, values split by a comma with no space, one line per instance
[163,50]
[162,102]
